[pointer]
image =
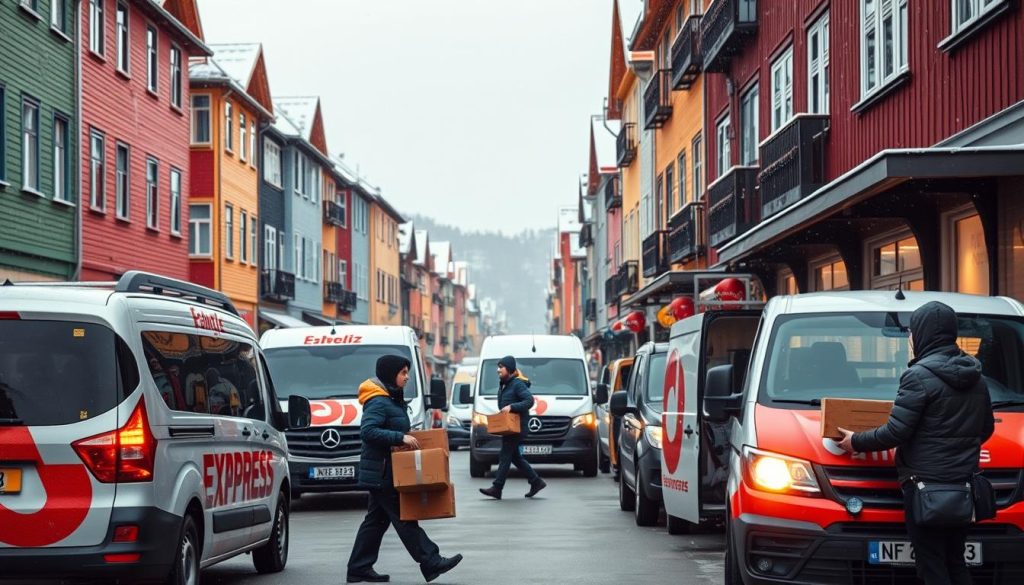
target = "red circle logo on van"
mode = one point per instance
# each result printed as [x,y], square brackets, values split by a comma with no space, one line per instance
[540,406]
[673,400]
[332,413]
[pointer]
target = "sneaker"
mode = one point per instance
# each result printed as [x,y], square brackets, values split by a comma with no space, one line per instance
[536,487]
[370,576]
[441,568]
[492,492]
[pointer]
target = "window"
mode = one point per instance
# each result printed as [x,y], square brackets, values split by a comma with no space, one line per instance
[298,172]
[253,235]
[59,15]
[343,273]
[883,42]
[229,232]
[175,201]
[723,160]
[243,138]
[896,262]
[123,39]
[817,67]
[200,119]
[229,127]
[97,171]
[682,179]
[152,71]
[749,127]
[670,189]
[176,77]
[782,90]
[252,144]
[269,247]
[297,246]
[152,194]
[96,29]
[342,199]
[30,145]
[200,238]
[272,163]
[122,186]
[972,267]
[697,154]
[659,202]
[243,240]
[967,12]
[831,276]
[312,268]
[60,159]
[3,134]
[281,253]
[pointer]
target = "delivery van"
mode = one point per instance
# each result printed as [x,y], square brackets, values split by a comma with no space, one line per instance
[326,365]
[562,426]
[614,378]
[797,508]
[140,434]
[460,414]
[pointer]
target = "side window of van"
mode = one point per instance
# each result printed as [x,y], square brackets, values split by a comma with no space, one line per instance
[205,375]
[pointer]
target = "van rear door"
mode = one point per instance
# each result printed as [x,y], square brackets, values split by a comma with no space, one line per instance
[60,383]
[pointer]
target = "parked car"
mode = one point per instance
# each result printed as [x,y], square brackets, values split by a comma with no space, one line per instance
[614,378]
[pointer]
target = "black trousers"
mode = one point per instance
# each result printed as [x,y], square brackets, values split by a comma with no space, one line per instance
[511,453]
[383,512]
[938,552]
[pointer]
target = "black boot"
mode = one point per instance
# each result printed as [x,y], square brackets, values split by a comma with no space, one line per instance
[492,492]
[442,567]
[370,576]
[536,487]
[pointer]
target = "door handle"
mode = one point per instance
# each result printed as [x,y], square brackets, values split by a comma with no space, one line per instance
[688,431]
[246,432]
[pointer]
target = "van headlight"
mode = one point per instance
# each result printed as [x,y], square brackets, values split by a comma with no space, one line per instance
[588,420]
[653,434]
[777,473]
[480,419]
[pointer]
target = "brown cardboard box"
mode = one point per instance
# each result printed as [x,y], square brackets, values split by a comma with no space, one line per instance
[432,439]
[423,470]
[852,415]
[427,505]
[503,424]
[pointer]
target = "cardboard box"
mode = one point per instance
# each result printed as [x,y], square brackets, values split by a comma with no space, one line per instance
[432,439]
[504,424]
[427,505]
[852,415]
[422,470]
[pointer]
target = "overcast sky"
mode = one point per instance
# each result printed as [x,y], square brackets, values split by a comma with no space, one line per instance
[474,112]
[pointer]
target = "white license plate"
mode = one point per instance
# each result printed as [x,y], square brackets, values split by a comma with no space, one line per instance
[896,552]
[536,449]
[344,472]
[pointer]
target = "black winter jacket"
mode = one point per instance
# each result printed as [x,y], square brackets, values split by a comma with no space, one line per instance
[385,424]
[943,412]
[515,393]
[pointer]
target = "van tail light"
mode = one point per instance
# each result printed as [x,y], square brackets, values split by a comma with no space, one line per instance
[9,316]
[120,559]
[124,455]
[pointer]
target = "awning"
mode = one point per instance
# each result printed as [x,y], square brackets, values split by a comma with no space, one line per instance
[317,320]
[881,172]
[678,282]
[281,319]
[594,337]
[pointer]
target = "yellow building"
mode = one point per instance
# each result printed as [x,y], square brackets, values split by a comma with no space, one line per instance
[385,263]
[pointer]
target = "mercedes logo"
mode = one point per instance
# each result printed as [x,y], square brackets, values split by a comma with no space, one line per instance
[330,438]
[535,424]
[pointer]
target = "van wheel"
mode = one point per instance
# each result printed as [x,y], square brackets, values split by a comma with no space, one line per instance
[732,565]
[589,466]
[646,510]
[477,469]
[273,556]
[627,499]
[677,526]
[186,562]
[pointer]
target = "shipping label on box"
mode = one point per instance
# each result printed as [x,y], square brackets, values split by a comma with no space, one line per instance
[427,505]
[506,423]
[421,470]
[852,415]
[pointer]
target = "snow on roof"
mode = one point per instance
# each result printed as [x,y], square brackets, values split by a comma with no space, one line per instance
[300,112]
[442,252]
[405,237]
[461,269]
[236,60]
[422,240]
[284,123]
[569,220]
[605,144]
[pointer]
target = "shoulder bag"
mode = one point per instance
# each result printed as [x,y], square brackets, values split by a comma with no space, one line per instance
[942,505]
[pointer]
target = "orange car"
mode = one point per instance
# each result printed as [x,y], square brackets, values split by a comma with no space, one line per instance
[613,378]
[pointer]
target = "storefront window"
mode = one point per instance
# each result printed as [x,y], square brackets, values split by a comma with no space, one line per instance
[971,256]
[896,263]
[831,276]
[1013,249]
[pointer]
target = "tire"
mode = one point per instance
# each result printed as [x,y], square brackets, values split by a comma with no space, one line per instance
[646,510]
[627,499]
[589,467]
[605,465]
[190,551]
[677,526]
[477,469]
[453,448]
[273,556]
[732,574]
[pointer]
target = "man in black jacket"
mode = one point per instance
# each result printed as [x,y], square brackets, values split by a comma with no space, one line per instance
[385,425]
[513,396]
[942,416]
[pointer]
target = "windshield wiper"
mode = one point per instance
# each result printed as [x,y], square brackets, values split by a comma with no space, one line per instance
[1006,404]
[811,402]
[11,422]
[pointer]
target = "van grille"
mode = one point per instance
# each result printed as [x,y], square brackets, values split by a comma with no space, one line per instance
[553,427]
[308,443]
[881,489]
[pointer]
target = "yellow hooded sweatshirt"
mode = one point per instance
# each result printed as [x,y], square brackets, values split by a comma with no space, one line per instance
[371,389]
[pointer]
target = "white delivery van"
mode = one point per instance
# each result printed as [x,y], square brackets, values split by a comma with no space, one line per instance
[140,435]
[460,414]
[326,365]
[562,426]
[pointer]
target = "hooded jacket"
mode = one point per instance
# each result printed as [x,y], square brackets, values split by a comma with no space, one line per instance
[943,412]
[515,393]
[385,424]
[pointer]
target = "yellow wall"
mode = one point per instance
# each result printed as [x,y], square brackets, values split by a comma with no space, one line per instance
[631,174]
[329,239]
[384,257]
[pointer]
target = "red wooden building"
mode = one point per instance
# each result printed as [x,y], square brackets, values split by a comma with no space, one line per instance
[866,144]
[135,135]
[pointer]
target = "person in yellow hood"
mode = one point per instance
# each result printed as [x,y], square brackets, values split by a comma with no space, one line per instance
[385,425]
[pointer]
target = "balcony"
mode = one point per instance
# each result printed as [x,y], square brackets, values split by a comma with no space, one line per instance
[684,241]
[686,55]
[333,291]
[792,163]
[587,235]
[334,214]
[724,30]
[625,145]
[590,310]
[658,99]
[277,285]
[611,289]
[655,254]
[444,341]
[628,279]
[612,193]
[438,300]
[733,205]
[348,302]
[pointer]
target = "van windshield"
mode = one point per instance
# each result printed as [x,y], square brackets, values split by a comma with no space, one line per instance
[335,371]
[655,390]
[548,376]
[863,355]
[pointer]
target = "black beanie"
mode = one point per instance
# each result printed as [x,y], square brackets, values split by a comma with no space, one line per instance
[388,367]
[508,362]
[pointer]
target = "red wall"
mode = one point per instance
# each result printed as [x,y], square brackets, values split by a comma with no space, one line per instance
[946,93]
[570,296]
[344,238]
[124,110]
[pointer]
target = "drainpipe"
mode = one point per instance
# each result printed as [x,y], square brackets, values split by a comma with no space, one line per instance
[78,134]
[217,203]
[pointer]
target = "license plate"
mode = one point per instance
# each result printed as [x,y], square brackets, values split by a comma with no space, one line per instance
[344,472]
[10,480]
[895,552]
[536,449]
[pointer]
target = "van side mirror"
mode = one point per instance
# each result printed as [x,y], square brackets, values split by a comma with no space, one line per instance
[465,393]
[601,394]
[619,405]
[299,416]
[438,397]
[719,401]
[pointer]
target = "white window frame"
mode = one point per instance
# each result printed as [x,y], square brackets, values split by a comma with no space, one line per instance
[59,15]
[254,240]
[196,229]
[243,236]
[697,166]
[97,171]
[272,163]
[243,138]
[122,181]
[97,32]
[782,89]
[723,150]
[270,247]
[152,194]
[229,231]
[282,249]
[342,199]
[979,9]
[30,154]
[61,166]
[152,59]
[252,144]
[818,69]
[343,273]
[297,256]
[123,38]
[177,87]
[229,126]
[196,112]
[176,201]
[873,24]
[750,132]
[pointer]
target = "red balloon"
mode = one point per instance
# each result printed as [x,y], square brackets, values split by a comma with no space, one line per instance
[617,326]
[636,321]
[682,307]
[731,289]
